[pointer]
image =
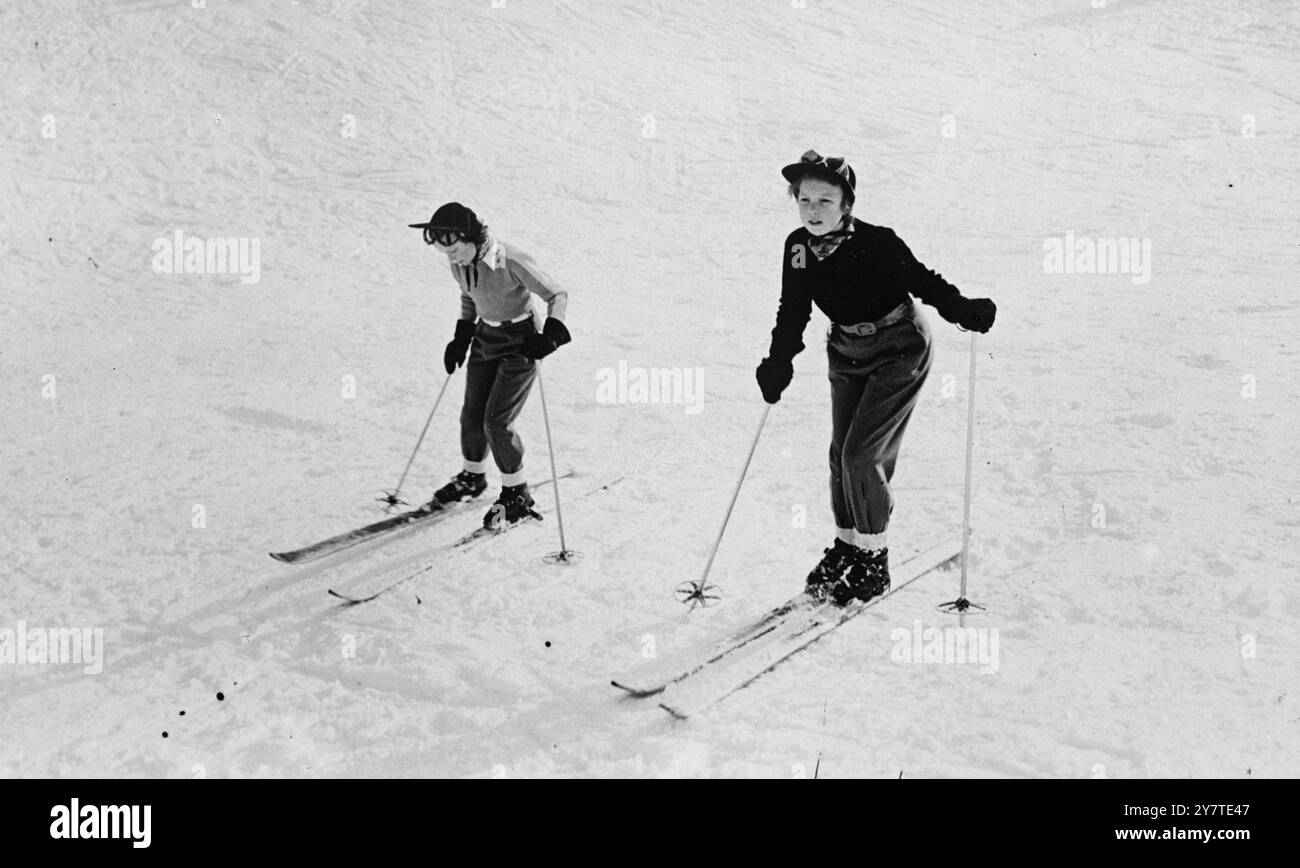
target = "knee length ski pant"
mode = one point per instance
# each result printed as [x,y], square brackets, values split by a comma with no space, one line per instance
[498,378]
[875,382]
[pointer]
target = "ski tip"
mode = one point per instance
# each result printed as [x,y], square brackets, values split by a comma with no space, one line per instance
[347,601]
[281,557]
[677,715]
[634,692]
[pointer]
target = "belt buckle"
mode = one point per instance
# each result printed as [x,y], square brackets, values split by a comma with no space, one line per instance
[861,329]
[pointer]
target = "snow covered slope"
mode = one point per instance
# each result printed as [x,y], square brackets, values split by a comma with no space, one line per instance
[1135,512]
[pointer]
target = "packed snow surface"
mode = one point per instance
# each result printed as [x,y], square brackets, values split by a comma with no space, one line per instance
[1135,509]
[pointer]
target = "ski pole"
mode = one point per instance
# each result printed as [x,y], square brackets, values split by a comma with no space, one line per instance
[391,497]
[563,556]
[961,605]
[970,449]
[695,592]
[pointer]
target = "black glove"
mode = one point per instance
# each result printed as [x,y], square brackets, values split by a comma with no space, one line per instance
[454,356]
[773,377]
[977,314]
[539,345]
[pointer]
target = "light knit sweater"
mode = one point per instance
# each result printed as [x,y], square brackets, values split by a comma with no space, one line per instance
[497,285]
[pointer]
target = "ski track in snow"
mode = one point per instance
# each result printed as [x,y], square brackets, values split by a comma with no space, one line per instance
[1119,645]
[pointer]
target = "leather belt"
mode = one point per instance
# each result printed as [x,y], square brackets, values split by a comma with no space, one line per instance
[498,325]
[863,329]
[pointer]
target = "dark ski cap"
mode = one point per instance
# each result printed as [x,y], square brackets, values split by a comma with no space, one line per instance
[813,165]
[453,216]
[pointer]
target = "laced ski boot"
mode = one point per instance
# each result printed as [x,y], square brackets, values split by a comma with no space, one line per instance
[835,561]
[867,576]
[513,505]
[463,486]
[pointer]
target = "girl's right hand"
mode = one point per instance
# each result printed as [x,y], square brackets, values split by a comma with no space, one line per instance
[978,314]
[773,377]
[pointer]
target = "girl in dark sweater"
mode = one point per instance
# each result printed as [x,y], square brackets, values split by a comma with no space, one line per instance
[863,277]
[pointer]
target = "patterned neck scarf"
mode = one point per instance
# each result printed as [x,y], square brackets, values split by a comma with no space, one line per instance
[487,253]
[823,246]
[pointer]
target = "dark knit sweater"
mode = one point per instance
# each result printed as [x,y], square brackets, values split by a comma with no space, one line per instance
[870,274]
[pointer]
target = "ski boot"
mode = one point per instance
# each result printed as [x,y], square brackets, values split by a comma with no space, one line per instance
[833,564]
[513,505]
[463,486]
[867,576]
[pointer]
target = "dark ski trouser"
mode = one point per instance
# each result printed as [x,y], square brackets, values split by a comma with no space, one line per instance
[875,382]
[498,378]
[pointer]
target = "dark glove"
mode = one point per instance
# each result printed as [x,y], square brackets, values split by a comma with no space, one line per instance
[977,314]
[454,356]
[553,335]
[773,377]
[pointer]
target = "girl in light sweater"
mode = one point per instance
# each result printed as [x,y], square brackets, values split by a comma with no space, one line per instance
[497,331]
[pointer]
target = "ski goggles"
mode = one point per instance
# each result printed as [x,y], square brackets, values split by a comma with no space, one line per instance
[443,237]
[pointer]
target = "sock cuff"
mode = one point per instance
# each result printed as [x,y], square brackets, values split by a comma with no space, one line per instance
[869,541]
